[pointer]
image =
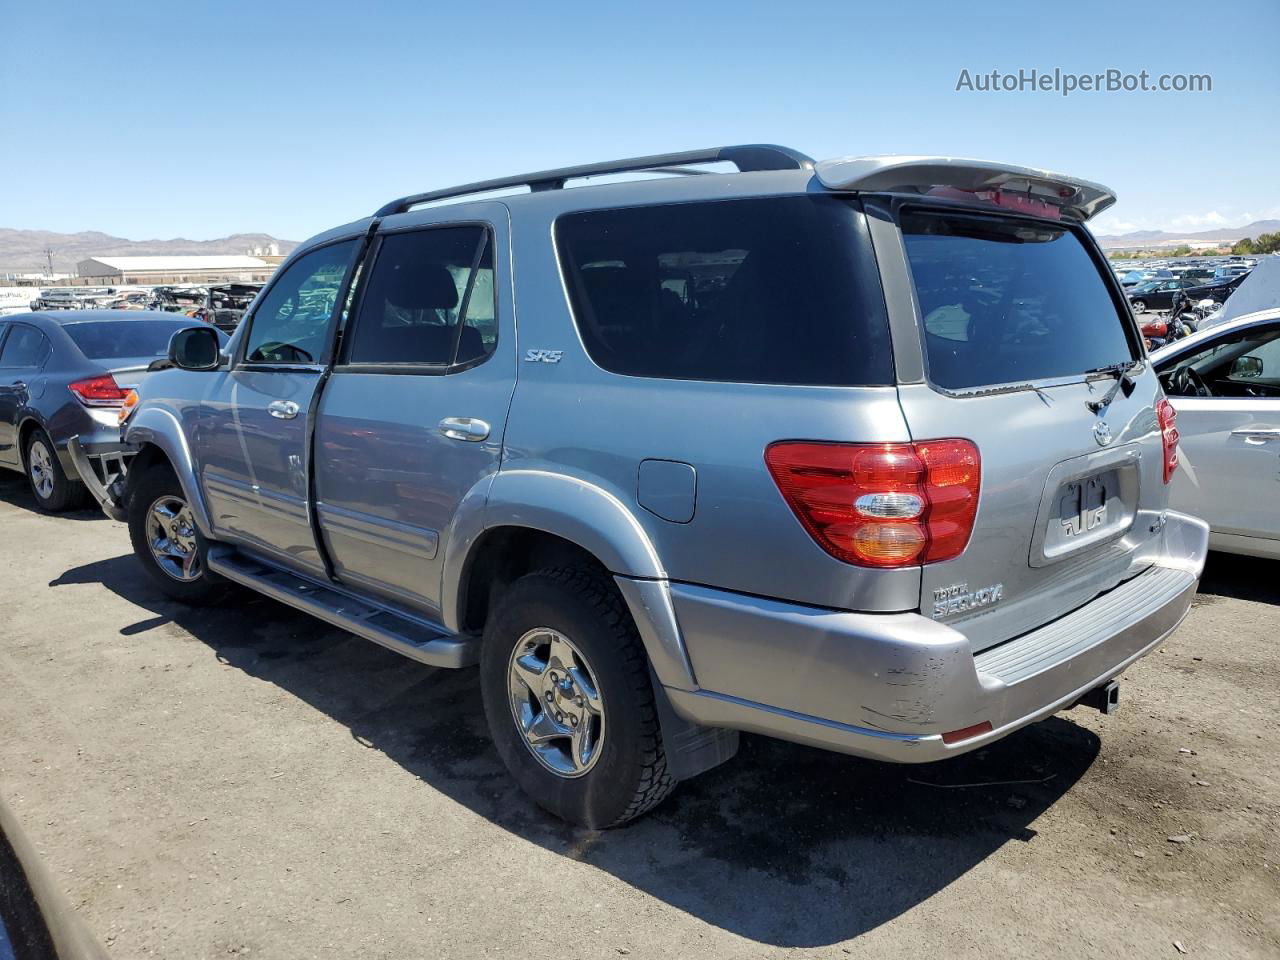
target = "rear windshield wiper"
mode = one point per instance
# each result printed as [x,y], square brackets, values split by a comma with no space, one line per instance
[1124,382]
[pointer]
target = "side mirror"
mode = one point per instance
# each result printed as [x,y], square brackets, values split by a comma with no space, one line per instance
[1246,368]
[195,348]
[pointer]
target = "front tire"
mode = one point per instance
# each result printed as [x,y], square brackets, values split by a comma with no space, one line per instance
[53,489]
[569,701]
[167,542]
[1139,306]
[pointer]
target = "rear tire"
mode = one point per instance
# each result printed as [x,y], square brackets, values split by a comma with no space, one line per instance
[167,542]
[53,489]
[561,659]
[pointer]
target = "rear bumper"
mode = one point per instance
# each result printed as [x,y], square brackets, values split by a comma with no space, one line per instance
[101,465]
[888,686]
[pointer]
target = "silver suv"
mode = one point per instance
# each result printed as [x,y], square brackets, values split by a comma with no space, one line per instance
[864,454]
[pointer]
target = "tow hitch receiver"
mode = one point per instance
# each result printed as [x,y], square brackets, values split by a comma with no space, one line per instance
[1104,699]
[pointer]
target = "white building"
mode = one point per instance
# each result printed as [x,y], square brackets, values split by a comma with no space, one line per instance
[114,271]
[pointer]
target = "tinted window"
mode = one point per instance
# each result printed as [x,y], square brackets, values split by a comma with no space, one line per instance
[429,299]
[757,291]
[109,339]
[1008,301]
[24,347]
[292,322]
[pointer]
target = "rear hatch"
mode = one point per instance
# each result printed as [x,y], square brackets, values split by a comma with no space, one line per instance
[1014,313]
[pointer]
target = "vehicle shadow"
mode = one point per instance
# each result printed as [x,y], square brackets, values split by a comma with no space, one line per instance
[785,845]
[1241,578]
[15,490]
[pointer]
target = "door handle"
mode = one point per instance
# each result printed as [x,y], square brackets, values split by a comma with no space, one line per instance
[464,428]
[1256,435]
[19,384]
[282,409]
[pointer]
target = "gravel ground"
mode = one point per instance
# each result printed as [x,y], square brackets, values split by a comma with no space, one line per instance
[246,780]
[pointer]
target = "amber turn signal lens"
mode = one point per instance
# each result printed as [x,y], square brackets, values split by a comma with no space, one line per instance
[126,406]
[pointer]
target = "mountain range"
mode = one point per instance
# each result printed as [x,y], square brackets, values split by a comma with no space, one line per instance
[1147,239]
[23,251]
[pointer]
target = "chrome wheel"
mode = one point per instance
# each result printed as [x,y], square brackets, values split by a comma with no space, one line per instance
[171,534]
[555,702]
[40,464]
[1139,307]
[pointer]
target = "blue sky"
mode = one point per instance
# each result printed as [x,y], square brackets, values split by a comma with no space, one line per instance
[159,119]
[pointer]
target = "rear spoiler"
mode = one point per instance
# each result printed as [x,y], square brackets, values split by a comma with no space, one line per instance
[1077,199]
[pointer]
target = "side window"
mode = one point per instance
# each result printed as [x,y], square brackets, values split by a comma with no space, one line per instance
[429,300]
[1244,360]
[25,347]
[291,323]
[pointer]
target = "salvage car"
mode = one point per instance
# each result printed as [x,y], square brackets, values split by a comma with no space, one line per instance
[1157,294]
[864,454]
[1224,381]
[225,304]
[67,374]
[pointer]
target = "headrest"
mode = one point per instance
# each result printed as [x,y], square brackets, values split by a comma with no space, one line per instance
[419,286]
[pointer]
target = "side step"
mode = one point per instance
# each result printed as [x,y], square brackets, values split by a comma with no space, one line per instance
[414,639]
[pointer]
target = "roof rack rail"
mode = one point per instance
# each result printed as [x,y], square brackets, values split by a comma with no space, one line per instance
[747,158]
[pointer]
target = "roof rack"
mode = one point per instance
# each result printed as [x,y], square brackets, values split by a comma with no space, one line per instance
[747,158]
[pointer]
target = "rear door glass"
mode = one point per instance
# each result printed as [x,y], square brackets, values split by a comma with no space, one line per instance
[25,347]
[429,300]
[1008,301]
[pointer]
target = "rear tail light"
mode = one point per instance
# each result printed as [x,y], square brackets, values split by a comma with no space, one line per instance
[881,504]
[100,391]
[1168,418]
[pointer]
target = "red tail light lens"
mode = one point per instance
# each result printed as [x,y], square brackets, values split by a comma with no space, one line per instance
[882,504]
[100,391]
[1168,418]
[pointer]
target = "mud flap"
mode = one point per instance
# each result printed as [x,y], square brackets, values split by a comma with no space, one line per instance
[691,748]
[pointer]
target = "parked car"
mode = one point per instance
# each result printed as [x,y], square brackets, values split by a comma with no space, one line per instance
[66,374]
[1147,275]
[1157,294]
[36,920]
[1224,382]
[1218,290]
[225,304]
[863,454]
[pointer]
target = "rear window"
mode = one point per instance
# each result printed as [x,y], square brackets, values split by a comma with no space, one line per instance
[1009,301]
[753,291]
[121,339]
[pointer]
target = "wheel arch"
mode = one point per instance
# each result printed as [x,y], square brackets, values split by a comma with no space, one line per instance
[157,435]
[529,519]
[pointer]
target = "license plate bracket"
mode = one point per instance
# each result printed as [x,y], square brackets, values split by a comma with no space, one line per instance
[1087,501]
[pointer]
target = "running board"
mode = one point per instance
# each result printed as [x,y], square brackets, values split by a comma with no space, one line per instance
[395,631]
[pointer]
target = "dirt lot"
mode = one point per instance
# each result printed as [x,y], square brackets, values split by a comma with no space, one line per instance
[247,780]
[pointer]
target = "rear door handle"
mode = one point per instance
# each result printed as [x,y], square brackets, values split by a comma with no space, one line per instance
[1256,435]
[464,428]
[282,409]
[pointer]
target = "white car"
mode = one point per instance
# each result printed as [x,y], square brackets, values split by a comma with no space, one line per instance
[1224,381]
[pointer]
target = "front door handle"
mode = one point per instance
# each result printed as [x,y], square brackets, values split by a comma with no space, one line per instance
[464,428]
[282,409]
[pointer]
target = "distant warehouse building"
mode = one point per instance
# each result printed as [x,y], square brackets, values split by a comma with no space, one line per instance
[125,271]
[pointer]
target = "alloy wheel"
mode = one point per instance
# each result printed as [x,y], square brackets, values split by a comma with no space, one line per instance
[171,534]
[41,467]
[556,702]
